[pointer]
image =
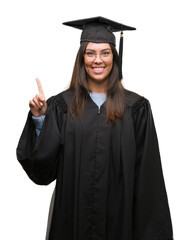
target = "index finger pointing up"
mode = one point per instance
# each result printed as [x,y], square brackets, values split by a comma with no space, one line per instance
[39,86]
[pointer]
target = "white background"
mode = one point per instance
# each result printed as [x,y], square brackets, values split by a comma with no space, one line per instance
[34,43]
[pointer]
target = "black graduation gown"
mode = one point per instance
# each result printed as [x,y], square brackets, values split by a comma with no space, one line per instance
[109,180]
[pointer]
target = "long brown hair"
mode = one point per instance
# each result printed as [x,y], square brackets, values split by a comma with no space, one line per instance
[115,93]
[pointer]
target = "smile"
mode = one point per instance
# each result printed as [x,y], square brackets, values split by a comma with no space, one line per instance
[98,69]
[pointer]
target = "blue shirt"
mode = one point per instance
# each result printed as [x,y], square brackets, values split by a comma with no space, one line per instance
[98,98]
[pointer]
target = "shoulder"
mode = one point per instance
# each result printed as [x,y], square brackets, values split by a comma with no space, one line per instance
[60,100]
[135,100]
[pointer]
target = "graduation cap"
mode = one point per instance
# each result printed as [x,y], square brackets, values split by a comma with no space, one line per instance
[100,30]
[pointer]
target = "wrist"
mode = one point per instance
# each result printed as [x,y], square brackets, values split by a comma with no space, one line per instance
[36,115]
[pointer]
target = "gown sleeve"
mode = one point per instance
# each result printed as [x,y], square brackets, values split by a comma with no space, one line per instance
[40,158]
[151,218]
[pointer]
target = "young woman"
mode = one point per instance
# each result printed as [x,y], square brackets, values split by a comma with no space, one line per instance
[98,141]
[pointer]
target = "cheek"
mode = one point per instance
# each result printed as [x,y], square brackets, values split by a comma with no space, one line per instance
[110,67]
[86,66]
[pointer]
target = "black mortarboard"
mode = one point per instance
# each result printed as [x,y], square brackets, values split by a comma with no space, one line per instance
[100,30]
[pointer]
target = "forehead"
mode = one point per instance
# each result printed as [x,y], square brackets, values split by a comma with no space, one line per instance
[98,46]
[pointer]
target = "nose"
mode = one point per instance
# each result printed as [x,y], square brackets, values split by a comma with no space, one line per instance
[97,58]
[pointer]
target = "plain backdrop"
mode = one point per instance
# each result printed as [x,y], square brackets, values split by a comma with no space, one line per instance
[34,43]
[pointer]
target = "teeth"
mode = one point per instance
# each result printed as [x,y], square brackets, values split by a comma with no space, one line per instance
[98,69]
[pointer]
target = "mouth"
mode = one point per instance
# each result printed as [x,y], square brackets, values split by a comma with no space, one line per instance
[98,70]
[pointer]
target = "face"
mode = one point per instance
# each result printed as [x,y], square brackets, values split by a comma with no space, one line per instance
[98,61]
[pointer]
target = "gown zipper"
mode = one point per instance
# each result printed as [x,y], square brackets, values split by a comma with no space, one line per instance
[94,183]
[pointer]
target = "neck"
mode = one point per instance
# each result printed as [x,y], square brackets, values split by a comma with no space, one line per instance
[97,87]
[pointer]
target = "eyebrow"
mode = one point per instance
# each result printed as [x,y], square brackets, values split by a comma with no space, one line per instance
[101,50]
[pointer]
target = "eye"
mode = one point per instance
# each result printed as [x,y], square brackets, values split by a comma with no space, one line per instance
[90,54]
[106,53]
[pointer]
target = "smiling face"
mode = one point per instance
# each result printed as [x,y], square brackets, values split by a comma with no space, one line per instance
[98,61]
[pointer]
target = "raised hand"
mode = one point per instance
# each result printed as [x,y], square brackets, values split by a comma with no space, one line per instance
[38,105]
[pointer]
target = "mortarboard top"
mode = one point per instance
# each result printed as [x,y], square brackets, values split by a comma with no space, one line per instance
[99,20]
[100,30]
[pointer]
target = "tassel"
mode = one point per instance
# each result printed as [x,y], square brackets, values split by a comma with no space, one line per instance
[120,56]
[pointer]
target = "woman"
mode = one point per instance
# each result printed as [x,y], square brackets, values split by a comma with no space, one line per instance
[99,142]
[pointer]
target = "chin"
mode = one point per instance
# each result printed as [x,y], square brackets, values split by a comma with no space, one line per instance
[99,79]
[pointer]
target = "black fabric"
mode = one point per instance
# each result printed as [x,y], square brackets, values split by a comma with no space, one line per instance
[114,26]
[98,29]
[120,56]
[109,180]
